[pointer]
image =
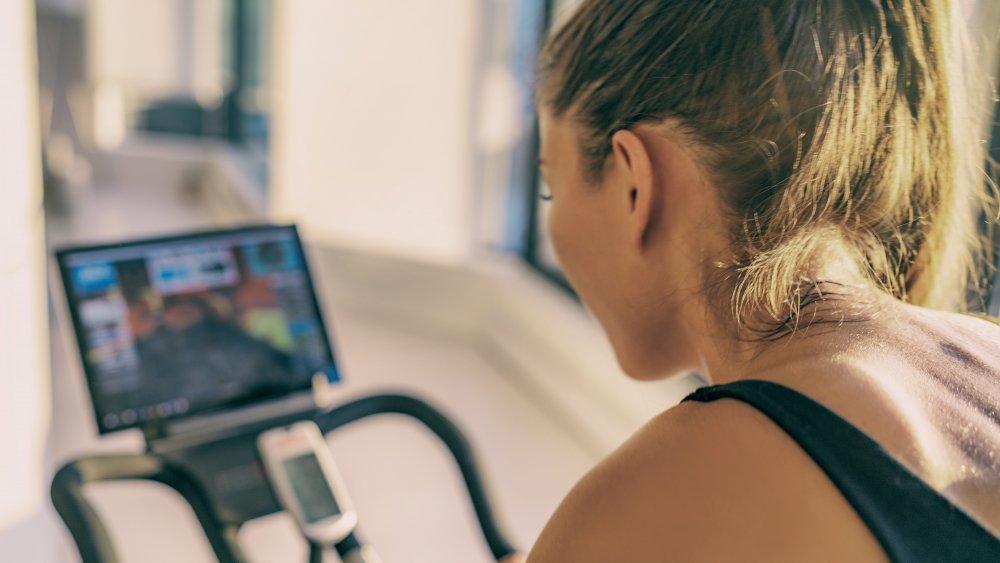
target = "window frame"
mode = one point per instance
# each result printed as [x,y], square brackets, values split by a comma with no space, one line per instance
[525,228]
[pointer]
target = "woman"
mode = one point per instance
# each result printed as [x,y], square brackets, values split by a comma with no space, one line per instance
[776,192]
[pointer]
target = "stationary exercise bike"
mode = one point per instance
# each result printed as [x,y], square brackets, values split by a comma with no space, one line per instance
[206,341]
[196,472]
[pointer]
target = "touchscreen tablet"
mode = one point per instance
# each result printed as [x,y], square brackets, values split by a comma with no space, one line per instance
[204,322]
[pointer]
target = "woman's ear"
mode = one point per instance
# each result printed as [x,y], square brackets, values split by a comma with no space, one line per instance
[633,173]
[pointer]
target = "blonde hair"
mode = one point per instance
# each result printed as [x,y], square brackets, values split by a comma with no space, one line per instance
[819,116]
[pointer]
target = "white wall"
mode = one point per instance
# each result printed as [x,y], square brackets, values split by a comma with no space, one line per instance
[24,371]
[372,133]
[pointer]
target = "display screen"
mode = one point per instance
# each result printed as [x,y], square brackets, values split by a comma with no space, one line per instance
[175,327]
[311,488]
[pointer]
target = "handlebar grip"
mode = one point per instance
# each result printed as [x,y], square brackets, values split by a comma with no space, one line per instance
[452,437]
[87,528]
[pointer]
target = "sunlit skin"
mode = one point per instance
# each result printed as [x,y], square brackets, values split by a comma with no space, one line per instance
[719,481]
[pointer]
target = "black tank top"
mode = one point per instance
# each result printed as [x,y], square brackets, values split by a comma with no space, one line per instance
[911,521]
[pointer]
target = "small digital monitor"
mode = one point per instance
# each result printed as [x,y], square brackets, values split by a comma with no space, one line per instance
[311,488]
[176,327]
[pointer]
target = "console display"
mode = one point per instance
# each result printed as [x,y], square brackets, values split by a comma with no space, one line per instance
[174,327]
[311,488]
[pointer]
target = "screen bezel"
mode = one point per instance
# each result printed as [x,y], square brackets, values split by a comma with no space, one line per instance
[90,372]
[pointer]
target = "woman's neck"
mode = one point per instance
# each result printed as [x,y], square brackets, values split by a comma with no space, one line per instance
[831,322]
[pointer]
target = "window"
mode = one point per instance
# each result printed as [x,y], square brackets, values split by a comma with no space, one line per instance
[223,53]
[527,234]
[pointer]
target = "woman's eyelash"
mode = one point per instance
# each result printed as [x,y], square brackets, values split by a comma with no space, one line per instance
[545,197]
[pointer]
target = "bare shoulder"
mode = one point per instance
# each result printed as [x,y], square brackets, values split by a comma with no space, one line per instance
[706,482]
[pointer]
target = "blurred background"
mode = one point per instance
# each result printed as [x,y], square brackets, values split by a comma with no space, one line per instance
[400,136]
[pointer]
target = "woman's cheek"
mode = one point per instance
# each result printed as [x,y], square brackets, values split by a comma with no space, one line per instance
[559,235]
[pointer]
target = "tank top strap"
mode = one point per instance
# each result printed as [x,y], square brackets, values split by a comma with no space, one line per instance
[912,521]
